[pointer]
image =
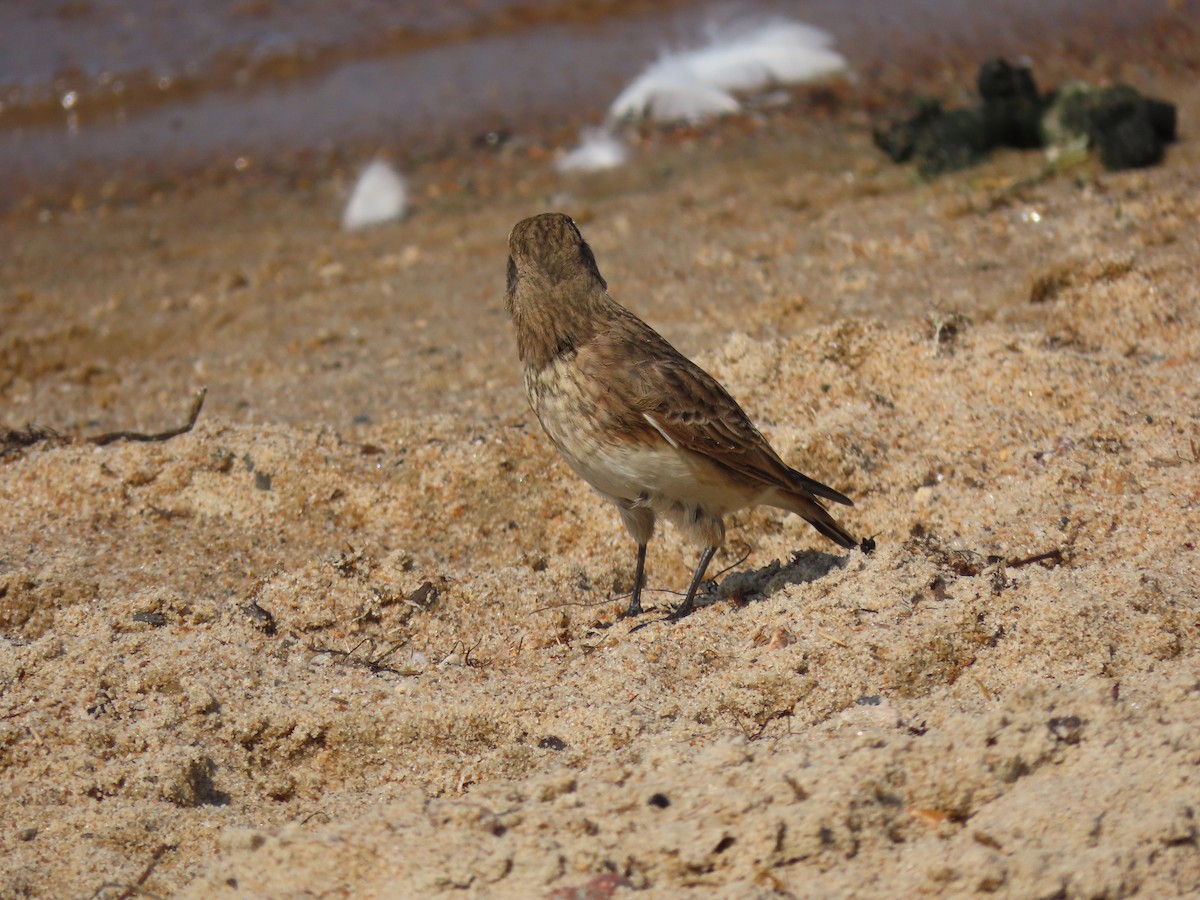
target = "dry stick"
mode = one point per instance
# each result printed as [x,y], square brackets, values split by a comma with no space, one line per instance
[101,440]
[1052,556]
[12,440]
[136,888]
[732,565]
[374,666]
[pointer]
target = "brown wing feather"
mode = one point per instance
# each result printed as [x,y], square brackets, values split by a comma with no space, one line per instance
[689,405]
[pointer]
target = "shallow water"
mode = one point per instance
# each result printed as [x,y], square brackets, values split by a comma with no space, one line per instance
[146,86]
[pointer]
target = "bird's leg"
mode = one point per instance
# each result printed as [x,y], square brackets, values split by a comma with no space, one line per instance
[690,600]
[635,599]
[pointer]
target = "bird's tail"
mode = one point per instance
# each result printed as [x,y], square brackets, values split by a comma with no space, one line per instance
[811,510]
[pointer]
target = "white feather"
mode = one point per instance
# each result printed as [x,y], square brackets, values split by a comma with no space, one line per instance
[380,195]
[654,424]
[695,84]
[598,149]
[669,91]
[776,52]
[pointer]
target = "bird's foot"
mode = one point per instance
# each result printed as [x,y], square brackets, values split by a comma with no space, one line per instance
[683,610]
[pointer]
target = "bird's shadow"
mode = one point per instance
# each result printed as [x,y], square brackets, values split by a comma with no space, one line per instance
[804,567]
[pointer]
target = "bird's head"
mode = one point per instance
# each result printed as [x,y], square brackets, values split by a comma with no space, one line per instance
[556,296]
[548,249]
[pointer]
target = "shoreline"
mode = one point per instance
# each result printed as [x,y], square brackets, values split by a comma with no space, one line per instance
[282,128]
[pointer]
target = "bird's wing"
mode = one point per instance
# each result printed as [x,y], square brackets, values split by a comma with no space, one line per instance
[690,409]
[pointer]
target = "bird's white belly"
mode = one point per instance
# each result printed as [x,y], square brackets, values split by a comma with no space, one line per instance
[661,478]
[652,474]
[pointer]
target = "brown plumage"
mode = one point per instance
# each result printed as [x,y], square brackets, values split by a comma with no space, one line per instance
[641,423]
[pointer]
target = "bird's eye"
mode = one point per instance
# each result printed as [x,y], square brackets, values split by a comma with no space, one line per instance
[512,273]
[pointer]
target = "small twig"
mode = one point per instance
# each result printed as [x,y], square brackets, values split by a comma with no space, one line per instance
[987,692]
[136,888]
[13,440]
[584,604]
[101,440]
[154,858]
[1054,557]
[128,891]
[648,622]
[469,651]
[732,565]
[374,666]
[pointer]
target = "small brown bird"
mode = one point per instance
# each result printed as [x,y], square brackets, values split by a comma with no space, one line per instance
[640,422]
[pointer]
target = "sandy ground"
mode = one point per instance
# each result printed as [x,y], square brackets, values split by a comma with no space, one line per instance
[357,632]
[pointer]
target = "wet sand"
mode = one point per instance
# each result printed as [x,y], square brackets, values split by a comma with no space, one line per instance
[358,631]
